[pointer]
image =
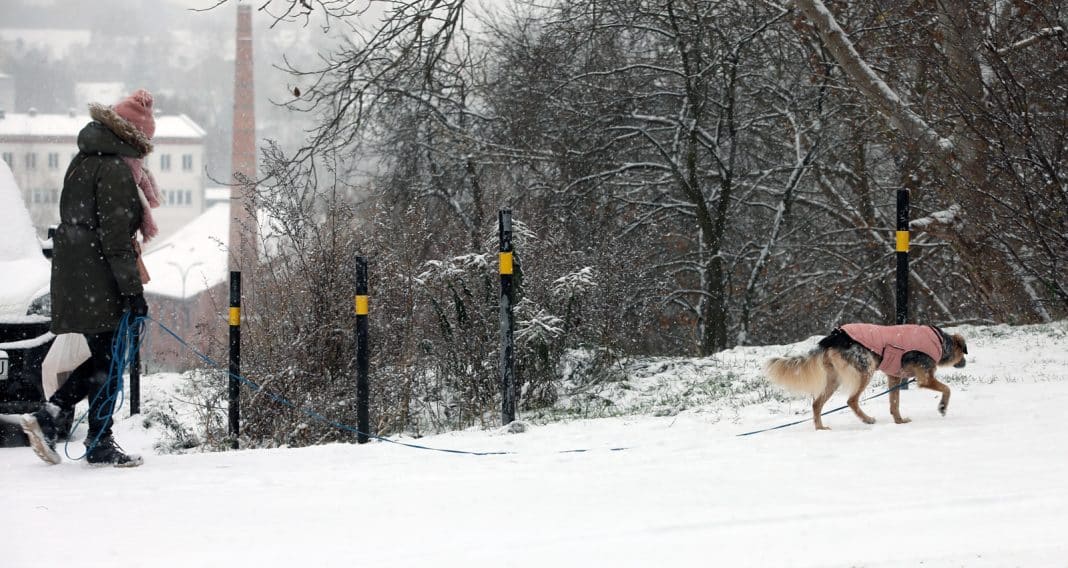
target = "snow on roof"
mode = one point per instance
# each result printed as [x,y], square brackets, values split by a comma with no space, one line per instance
[68,125]
[193,259]
[24,271]
[217,194]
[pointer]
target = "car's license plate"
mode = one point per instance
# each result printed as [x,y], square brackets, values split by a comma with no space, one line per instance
[3,365]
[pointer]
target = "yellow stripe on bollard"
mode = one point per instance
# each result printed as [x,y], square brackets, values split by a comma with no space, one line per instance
[362,305]
[902,241]
[506,263]
[235,316]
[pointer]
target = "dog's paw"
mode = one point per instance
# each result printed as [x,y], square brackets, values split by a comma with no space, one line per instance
[869,420]
[823,428]
[902,420]
[942,408]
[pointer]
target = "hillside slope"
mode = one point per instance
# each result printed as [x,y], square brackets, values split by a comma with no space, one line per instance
[983,486]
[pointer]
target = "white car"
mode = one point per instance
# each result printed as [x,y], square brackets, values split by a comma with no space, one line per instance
[24,270]
[25,308]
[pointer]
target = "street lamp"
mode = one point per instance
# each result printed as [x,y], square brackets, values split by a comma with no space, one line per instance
[185,273]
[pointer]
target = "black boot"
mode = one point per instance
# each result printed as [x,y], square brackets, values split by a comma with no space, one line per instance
[64,424]
[40,428]
[107,452]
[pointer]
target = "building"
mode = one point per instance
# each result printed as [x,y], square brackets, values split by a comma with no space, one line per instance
[188,290]
[39,147]
[191,268]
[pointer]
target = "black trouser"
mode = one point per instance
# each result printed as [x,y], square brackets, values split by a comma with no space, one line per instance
[87,381]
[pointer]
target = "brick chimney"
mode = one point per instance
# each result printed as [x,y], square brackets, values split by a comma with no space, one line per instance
[243,226]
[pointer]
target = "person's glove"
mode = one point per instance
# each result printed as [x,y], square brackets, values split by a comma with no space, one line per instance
[138,306]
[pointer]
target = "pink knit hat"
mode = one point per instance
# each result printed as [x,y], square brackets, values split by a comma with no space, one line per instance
[137,109]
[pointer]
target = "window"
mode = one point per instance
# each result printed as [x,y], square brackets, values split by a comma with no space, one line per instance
[10,159]
[53,160]
[180,197]
[165,162]
[31,161]
[187,162]
[45,195]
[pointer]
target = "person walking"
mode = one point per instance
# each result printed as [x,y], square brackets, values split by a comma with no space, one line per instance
[97,274]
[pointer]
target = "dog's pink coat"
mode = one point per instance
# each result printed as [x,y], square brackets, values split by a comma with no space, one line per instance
[892,341]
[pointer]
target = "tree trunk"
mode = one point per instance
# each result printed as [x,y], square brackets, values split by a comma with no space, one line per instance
[959,159]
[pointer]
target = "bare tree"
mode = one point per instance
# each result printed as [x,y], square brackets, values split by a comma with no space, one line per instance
[688,175]
[996,154]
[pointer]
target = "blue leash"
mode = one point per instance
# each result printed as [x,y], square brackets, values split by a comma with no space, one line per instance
[123,348]
[887,391]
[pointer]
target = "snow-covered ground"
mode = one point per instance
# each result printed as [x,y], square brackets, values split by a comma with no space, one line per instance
[987,485]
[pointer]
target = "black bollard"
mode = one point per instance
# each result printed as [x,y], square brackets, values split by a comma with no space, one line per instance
[507,356]
[363,414]
[902,248]
[234,422]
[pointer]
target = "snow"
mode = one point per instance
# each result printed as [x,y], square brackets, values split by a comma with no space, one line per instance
[28,319]
[196,257]
[983,486]
[29,343]
[193,259]
[16,294]
[60,126]
[17,239]
[20,251]
[944,217]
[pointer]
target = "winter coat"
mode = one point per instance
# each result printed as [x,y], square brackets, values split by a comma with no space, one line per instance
[94,264]
[891,342]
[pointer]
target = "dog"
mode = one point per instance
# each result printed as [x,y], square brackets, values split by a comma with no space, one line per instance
[852,353]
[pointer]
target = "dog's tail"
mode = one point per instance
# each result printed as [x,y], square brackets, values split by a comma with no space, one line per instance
[799,373]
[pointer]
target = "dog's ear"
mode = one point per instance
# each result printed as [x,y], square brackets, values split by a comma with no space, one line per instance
[961,343]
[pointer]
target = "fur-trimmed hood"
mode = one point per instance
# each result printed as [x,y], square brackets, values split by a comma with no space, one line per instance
[124,129]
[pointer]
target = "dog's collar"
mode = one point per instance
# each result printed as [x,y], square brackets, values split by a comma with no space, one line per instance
[947,342]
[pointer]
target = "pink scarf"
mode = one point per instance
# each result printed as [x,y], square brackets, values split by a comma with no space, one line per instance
[148,192]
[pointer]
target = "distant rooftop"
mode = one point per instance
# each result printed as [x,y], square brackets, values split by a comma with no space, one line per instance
[168,126]
[192,260]
[219,194]
[196,258]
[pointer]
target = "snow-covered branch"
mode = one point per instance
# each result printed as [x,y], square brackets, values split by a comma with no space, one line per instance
[944,218]
[1039,36]
[874,88]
